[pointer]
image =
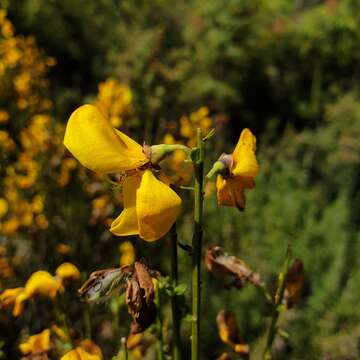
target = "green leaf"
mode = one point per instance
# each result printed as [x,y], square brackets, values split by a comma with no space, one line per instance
[195,154]
[188,318]
[283,333]
[180,289]
[210,134]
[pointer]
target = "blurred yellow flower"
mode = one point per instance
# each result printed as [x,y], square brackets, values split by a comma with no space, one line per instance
[242,168]
[114,100]
[87,350]
[43,283]
[8,297]
[67,271]
[6,142]
[63,249]
[4,116]
[39,283]
[3,207]
[9,226]
[37,344]
[139,344]
[60,333]
[150,206]
[127,253]
[41,221]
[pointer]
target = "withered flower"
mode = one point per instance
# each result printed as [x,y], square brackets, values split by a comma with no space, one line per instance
[229,333]
[139,297]
[103,283]
[136,281]
[294,283]
[220,263]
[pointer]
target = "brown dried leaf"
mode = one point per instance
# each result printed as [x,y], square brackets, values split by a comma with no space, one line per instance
[220,263]
[133,297]
[294,283]
[229,333]
[139,296]
[145,281]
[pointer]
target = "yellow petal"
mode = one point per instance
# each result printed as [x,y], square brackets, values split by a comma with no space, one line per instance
[99,147]
[244,158]
[157,207]
[68,271]
[42,283]
[36,344]
[127,222]
[20,303]
[230,192]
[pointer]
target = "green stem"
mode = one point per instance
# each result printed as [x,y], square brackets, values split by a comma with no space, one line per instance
[198,163]
[174,298]
[124,343]
[273,329]
[61,319]
[87,321]
[159,326]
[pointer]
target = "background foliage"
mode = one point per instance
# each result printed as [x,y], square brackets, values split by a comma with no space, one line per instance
[289,70]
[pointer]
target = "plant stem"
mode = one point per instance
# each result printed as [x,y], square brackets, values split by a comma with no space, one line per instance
[198,163]
[174,298]
[61,319]
[159,326]
[87,321]
[277,301]
[124,343]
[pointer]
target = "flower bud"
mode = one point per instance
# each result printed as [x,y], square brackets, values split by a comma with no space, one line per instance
[222,166]
[159,152]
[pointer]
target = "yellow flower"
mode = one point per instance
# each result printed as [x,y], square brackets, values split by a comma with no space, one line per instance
[87,350]
[68,271]
[3,207]
[36,344]
[63,249]
[4,116]
[39,283]
[8,296]
[127,253]
[241,168]
[150,206]
[43,283]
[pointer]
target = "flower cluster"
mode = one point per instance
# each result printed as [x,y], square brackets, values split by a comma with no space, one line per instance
[114,100]
[184,132]
[25,134]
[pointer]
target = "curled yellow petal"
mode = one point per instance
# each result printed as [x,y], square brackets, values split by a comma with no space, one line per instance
[68,271]
[230,191]
[99,147]
[87,350]
[42,283]
[157,207]
[20,303]
[127,222]
[36,344]
[244,158]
